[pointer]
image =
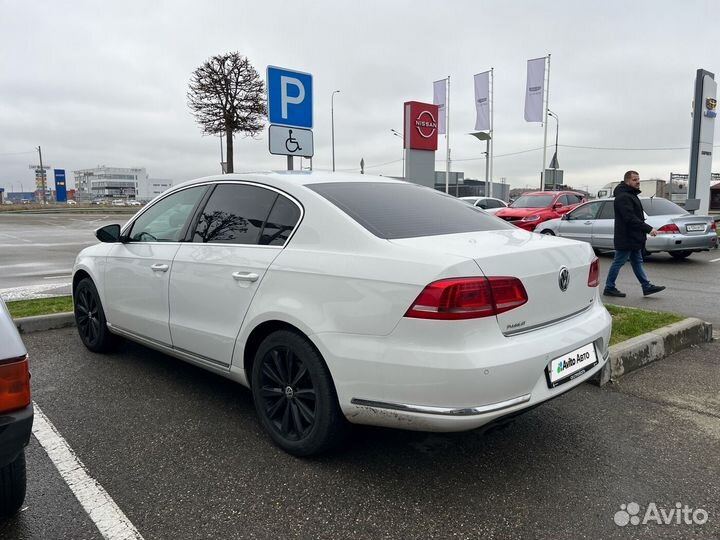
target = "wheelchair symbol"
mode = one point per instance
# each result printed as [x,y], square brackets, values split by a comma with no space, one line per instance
[291,143]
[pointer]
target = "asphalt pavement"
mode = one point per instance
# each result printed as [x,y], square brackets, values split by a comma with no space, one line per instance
[181,452]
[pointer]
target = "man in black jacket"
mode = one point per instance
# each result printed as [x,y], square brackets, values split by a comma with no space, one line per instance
[630,233]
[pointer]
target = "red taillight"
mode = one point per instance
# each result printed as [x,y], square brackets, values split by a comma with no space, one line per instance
[594,274]
[14,385]
[468,298]
[670,228]
[713,227]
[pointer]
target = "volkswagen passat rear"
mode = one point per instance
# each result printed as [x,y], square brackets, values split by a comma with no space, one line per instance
[335,300]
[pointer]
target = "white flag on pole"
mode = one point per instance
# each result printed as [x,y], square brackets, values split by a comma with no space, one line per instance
[482,101]
[440,99]
[535,90]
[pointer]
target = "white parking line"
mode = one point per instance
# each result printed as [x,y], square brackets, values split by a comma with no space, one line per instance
[714,260]
[109,519]
[58,277]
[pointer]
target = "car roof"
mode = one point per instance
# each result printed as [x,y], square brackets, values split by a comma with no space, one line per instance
[282,179]
[552,193]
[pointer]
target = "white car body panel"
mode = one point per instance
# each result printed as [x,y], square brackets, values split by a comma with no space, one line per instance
[347,291]
[136,295]
[11,344]
[205,315]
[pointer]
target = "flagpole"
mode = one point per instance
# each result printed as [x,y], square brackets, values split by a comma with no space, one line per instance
[547,105]
[447,137]
[492,135]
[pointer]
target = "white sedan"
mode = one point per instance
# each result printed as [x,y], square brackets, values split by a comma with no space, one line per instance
[489,204]
[334,300]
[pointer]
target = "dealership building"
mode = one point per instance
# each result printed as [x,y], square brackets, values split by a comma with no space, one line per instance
[117,183]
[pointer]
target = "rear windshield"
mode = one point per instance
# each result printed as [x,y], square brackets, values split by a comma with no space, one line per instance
[661,207]
[533,201]
[405,210]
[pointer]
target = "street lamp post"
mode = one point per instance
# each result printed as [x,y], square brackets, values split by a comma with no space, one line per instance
[398,134]
[554,162]
[483,136]
[332,124]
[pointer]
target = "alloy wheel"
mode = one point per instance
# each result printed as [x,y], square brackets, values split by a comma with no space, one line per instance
[288,393]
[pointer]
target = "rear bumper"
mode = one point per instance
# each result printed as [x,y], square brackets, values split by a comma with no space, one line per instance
[454,378]
[15,429]
[681,242]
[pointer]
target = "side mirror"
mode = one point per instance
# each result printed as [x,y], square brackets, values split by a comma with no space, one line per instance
[557,205]
[565,217]
[108,233]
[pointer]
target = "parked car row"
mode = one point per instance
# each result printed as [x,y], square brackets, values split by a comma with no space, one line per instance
[679,232]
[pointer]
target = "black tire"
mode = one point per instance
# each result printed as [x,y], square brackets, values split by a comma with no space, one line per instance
[548,232]
[90,319]
[597,252]
[680,254]
[294,395]
[12,486]
[646,254]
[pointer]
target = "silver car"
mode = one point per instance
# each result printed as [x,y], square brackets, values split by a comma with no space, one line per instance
[679,232]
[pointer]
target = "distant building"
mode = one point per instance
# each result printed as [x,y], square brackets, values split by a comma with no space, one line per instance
[153,187]
[117,183]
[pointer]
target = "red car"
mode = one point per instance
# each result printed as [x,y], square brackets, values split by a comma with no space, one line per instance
[531,209]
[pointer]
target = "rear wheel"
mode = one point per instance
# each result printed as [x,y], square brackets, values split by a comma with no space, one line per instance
[548,232]
[680,254]
[12,486]
[90,318]
[294,395]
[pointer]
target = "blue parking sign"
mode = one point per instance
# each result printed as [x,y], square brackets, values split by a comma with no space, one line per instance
[289,97]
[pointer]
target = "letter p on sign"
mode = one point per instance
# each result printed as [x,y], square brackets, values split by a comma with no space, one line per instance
[289,97]
[286,98]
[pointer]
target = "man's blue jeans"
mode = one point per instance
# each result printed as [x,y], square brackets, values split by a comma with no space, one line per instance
[621,257]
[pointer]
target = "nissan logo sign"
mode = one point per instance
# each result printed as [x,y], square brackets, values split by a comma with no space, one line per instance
[426,124]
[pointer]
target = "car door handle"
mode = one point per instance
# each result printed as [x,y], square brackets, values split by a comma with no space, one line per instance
[160,267]
[588,223]
[242,276]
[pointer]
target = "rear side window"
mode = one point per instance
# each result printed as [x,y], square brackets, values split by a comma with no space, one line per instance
[283,218]
[234,214]
[661,207]
[405,210]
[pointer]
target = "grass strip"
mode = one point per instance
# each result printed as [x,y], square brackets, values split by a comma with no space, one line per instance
[631,322]
[40,306]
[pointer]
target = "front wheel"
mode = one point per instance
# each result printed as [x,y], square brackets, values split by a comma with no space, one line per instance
[680,254]
[548,232]
[12,486]
[90,318]
[294,395]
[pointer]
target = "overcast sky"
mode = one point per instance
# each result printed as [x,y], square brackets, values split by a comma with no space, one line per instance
[104,83]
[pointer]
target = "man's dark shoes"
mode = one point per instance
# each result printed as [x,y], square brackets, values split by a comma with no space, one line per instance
[652,289]
[616,293]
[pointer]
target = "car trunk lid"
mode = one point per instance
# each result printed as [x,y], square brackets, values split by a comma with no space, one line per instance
[554,271]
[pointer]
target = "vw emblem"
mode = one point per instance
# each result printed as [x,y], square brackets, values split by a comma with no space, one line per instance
[564,279]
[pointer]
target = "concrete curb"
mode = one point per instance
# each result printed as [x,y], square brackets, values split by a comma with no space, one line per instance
[639,351]
[39,323]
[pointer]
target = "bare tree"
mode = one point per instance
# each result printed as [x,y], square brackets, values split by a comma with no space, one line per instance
[228,96]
